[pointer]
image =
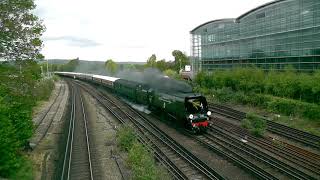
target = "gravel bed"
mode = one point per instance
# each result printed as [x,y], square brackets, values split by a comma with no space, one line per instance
[104,140]
[45,154]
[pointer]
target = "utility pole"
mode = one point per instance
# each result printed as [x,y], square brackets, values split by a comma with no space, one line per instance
[47,68]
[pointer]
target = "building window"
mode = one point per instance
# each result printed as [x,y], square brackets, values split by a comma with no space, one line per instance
[261,15]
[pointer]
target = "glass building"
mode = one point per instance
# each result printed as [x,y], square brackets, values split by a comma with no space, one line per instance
[274,35]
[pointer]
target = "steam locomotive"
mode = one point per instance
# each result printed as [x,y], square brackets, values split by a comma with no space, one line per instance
[188,109]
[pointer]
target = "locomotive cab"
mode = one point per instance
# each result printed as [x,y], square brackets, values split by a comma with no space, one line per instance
[197,113]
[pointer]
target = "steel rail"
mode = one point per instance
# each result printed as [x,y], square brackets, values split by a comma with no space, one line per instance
[288,152]
[303,154]
[87,137]
[166,140]
[47,111]
[261,156]
[159,154]
[291,133]
[71,160]
[237,158]
[71,122]
[43,127]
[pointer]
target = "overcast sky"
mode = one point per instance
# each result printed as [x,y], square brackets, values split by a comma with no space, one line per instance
[128,30]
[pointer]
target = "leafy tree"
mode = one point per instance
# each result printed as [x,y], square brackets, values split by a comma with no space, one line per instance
[71,65]
[17,98]
[152,61]
[180,60]
[131,67]
[20,30]
[161,65]
[139,67]
[111,66]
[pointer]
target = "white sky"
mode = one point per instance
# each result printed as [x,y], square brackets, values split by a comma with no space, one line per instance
[128,30]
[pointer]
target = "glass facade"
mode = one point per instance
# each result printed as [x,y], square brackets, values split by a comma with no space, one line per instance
[274,35]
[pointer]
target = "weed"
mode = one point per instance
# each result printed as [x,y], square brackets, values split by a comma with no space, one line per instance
[256,125]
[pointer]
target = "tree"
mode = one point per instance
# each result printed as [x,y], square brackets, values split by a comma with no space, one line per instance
[180,60]
[71,65]
[151,62]
[20,31]
[111,66]
[162,65]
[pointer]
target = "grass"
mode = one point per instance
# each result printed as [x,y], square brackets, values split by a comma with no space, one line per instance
[140,160]
[312,127]
[256,125]
[25,170]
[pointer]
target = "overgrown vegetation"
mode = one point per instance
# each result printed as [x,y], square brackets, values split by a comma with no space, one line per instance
[288,84]
[288,93]
[19,93]
[139,159]
[20,33]
[43,89]
[256,125]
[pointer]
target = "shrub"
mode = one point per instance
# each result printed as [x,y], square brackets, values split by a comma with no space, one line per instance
[256,125]
[17,99]
[126,138]
[288,84]
[55,78]
[43,89]
[223,94]
[142,163]
[139,159]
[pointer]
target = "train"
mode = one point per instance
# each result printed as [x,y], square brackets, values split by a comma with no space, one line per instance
[186,108]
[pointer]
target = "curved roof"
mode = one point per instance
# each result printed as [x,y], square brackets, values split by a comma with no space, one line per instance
[259,7]
[108,78]
[217,20]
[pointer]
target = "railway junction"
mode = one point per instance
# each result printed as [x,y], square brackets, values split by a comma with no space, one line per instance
[76,139]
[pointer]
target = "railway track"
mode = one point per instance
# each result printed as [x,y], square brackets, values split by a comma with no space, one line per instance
[43,123]
[224,148]
[288,132]
[309,160]
[293,166]
[77,162]
[180,162]
[39,120]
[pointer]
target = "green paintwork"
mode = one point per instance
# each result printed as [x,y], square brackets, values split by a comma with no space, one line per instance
[170,103]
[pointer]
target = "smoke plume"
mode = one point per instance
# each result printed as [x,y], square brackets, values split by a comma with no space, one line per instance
[156,80]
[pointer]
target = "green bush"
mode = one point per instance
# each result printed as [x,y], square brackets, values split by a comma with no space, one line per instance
[256,125]
[287,84]
[139,159]
[142,163]
[291,107]
[17,99]
[126,137]
[273,104]
[43,89]
[55,78]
